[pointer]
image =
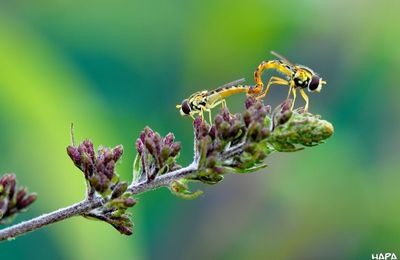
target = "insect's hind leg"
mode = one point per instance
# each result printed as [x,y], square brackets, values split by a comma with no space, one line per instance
[272,80]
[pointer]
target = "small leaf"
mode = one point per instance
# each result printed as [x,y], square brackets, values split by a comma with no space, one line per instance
[246,170]
[136,169]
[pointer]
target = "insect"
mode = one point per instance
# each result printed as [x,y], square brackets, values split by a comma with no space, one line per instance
[297,76]
[205,100]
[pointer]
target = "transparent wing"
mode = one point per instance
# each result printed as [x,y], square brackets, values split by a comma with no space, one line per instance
[283,58]
[233,83]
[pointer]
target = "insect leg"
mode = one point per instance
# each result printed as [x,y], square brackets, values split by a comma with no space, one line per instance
[223,103]
[305,97]
[272,80]
[294,97]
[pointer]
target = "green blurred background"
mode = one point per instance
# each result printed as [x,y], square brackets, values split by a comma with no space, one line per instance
[112,67]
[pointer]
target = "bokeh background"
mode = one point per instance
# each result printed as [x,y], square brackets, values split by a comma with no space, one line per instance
[112,67]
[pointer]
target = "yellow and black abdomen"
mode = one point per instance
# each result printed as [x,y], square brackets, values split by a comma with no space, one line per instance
[221,93]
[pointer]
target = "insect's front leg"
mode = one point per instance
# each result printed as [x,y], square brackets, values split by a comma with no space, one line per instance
[294,97]
[305,97]
[209,114]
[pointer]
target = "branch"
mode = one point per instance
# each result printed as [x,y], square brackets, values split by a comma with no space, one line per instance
[50,218]
[231,144]
[86,206]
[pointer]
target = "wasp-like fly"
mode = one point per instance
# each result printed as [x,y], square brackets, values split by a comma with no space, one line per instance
[297,77]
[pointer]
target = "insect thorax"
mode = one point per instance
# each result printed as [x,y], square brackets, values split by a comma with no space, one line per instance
[198,100]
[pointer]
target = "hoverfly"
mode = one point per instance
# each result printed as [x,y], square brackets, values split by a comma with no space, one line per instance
[297,76]
[205,100]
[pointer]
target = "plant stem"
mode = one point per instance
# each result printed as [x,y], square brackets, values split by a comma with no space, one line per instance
[87,205]
[50,218]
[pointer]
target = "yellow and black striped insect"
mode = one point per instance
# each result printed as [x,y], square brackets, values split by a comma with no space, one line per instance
[205,100]
[297,76]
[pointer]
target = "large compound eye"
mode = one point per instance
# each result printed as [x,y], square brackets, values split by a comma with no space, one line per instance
[314,83]
[185,107]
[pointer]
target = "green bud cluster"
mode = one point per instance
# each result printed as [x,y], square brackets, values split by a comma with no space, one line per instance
[114,211]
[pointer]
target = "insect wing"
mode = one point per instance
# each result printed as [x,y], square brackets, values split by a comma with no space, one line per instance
[283,58]
[233,83]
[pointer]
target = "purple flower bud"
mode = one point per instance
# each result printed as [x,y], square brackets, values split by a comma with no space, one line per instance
[150,146]
[87,164]
[211,161]
[247,117]
[3,207]
[225,114]
[175,148]
[74,155]
[142,136]
[197,122]
[219,170]
[87,147]
[27,201]
[223,130]
[149,132]
[264,133]
[218,119]
[250,102]
[11,186]
[201,128]
[129,202]
[124,230]
[157,142]
[119,189]
[117,152]
[139,146]
[213,132]
[20,194]
[165,153]
[109,170]
[258,105]
[169,139]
